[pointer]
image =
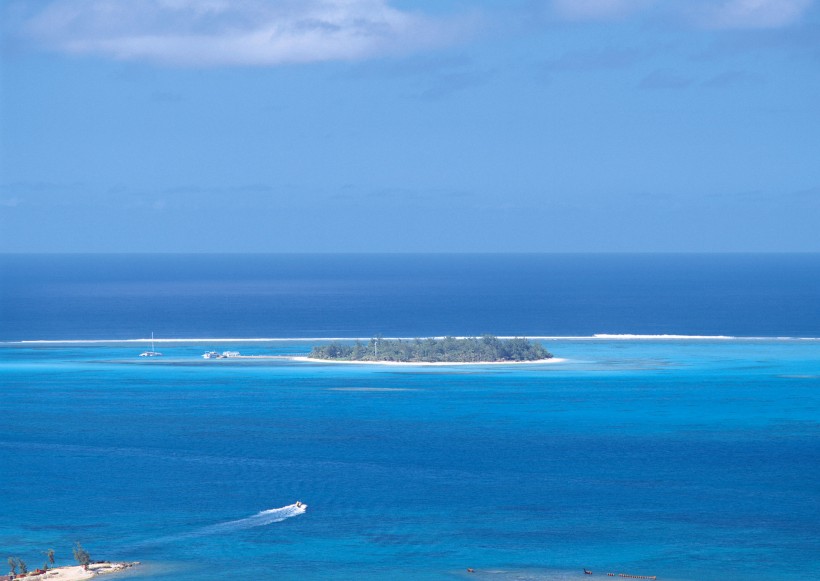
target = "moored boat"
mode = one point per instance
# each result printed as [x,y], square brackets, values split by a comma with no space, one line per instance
[151,353]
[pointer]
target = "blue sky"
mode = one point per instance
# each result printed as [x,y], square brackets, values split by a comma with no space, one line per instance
[410,126]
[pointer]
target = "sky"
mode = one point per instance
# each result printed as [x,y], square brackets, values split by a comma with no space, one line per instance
[410,126]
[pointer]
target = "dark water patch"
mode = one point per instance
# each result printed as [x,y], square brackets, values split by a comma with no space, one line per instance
[64,528]
[372,389]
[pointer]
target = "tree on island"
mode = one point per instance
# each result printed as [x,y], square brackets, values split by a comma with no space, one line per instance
[81,555]
[447,350]
[50,555]
[12,565]
[22,566]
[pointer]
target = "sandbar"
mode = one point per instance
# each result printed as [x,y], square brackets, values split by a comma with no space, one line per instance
[425,363]
[78,573]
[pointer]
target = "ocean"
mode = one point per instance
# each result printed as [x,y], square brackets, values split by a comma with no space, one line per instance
[677,439]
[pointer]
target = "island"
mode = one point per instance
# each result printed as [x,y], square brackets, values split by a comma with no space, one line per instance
[485,349]
[73,572]
[86,569]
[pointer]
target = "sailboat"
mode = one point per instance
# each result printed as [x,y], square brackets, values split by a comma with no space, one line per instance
[151,353]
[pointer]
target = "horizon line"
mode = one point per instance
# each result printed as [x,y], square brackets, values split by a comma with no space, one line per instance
[408,252]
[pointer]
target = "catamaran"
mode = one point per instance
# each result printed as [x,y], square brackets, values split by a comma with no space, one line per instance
[151,353]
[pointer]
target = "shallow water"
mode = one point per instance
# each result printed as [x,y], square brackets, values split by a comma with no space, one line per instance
[682,459]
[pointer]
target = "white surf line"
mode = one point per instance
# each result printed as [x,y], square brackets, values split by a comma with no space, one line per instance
[596,337]
[627,337]
[188,340]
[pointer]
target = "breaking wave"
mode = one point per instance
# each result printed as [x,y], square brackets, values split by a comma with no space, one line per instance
[597,336]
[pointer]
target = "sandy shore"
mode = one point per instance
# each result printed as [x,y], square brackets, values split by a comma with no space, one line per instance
[425,364]
[77,573]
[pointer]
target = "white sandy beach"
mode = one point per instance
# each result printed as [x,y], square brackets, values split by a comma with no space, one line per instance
[78,573]
[424,363]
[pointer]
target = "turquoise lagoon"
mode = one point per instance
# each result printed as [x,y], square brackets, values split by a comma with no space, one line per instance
[689,459]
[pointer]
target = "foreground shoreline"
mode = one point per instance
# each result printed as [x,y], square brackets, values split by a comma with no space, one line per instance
[78,572]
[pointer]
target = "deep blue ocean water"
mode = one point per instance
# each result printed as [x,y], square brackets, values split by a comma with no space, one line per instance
[689,459]
[128,296]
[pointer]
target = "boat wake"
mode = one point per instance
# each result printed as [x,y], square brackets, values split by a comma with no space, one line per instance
[260,519]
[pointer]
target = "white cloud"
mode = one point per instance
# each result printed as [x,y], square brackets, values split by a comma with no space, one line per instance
[597,9]
[703,13]
[250,32]
[753,13]
[9,202]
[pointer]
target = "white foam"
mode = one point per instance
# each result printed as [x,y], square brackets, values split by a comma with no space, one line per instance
[628,337]
[595,337]
[260,519]
[183,340]
[266,517]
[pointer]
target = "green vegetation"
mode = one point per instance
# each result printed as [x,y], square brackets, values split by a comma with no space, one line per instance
[17,563]
[18,567]
[81,555]
[447,350]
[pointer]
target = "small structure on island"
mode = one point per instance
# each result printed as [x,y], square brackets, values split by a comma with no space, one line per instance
[223,355]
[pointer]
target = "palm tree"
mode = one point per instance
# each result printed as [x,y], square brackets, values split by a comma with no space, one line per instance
[50,555]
